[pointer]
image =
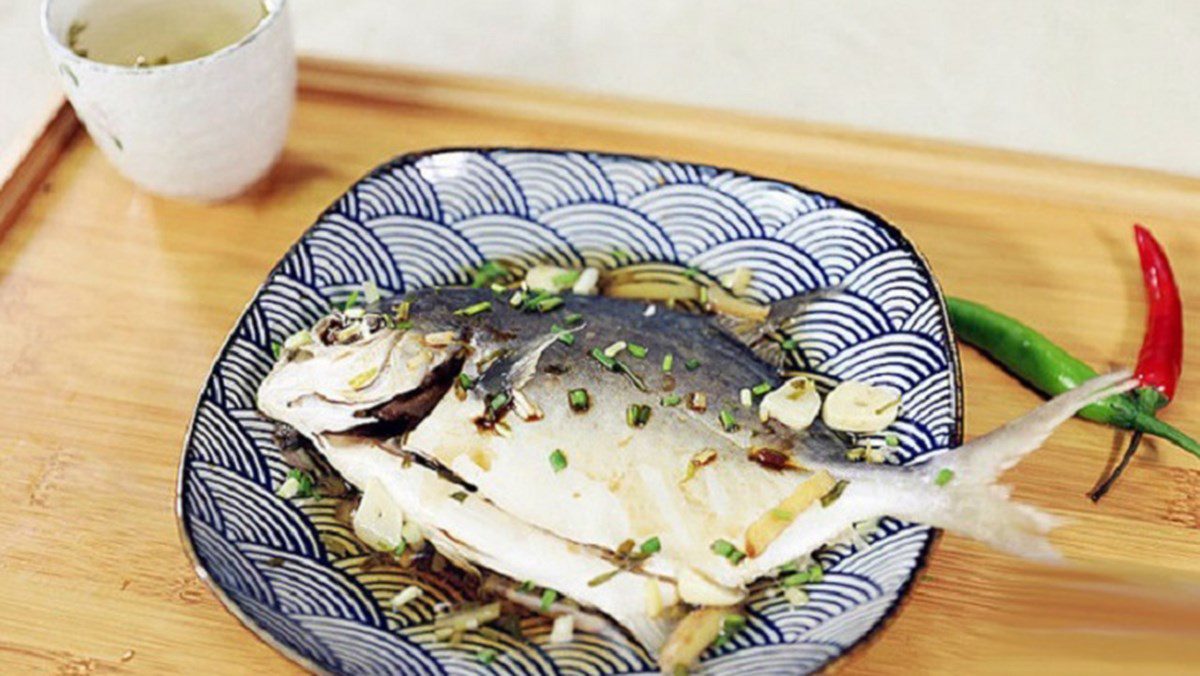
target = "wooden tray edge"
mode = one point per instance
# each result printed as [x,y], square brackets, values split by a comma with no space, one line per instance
[27,176]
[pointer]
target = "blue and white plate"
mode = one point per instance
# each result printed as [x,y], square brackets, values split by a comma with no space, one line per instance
[296,577]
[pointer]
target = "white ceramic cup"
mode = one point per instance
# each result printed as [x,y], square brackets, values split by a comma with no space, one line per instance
[204,129]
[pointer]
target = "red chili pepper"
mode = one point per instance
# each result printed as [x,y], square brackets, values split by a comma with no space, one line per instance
[1161,357]
[1160,360]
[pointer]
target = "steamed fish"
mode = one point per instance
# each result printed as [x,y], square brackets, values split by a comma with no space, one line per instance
[635,460]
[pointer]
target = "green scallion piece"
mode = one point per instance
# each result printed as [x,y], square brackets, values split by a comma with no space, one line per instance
[489,273]
[399,549]
[637,415]
[691,272]
[736,557]
[723,548]
[549,596]
[834,493]
[760,389]
[573,318]
[651,546]
[487,655]
[558,460]
[605,360]
[465,381]
[943,477]
[459,496]
[672,400]
[795,579]
[304,480]
[526,586]
[668,362]
[733,622]
[789,345]
[548,304]
[276,349]
[816,573]
[891,440]
[633,377]
[472,310]
[351,301]
[636,350]
[403,326]
[788,568]
[728,422]
[566,279]
[499,401]
[579,400]
[565,337]
[621,256]
[692,364]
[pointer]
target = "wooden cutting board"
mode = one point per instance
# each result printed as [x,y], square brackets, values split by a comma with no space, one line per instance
[113,303]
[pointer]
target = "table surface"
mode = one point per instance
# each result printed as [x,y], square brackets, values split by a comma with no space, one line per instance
[113,303]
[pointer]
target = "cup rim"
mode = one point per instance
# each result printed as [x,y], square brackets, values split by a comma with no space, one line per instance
[274,9]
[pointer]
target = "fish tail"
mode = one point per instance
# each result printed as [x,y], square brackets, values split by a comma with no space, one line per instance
[966,497]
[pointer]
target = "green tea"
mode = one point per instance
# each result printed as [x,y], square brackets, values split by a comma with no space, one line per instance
[147,33]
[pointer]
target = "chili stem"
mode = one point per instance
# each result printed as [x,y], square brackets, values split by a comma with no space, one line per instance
[1151,425]
[1107,484]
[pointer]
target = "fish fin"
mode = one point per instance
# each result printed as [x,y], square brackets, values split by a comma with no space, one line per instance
[515,370]
[970,502]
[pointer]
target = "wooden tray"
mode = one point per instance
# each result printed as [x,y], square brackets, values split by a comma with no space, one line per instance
[113,304]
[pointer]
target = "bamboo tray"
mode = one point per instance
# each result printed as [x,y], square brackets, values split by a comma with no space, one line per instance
[114,302]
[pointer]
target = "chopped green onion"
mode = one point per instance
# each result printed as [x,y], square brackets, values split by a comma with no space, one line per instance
[351,300]
[305,482]
[465,381]
[499,401]
[704,295]
[728,423]
[637,415]
[399,549]
[548,304]
[605,360]
[573,318]
[558,460]
[795,579]
[459,496]
[668,362]
[565,337]
[789,345]
[487,655]
[723,548]
[526,586]
[548,598]
[891,440]
[276,349]
[733,622]
[488,274]
[403,326]
[633,377]
[566,279]
[651,546]
[498,289]
[761,389]
[472,310]
[692,364]
[691,272]
[816,573]
[579,400]
[834,493]
[782,514]
[603,577]
[637,351]
[672,400]
[620,255]
[736,557]
[401,310]
[943,477]
[788,568]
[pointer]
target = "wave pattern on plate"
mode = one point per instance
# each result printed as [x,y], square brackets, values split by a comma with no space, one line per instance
[295,573]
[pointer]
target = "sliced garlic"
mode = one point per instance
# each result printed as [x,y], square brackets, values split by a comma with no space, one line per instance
[378,520]
[698,590]
[289,488]
[654,602]
[796,403]
[858,407]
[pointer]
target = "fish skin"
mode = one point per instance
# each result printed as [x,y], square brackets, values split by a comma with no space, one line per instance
[581,504]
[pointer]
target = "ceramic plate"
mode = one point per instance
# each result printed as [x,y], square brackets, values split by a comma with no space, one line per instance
[296,577]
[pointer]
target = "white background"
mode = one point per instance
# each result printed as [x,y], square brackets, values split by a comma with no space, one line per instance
[1114,81]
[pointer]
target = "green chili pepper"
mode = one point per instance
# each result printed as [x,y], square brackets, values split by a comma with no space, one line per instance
[1050,369]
